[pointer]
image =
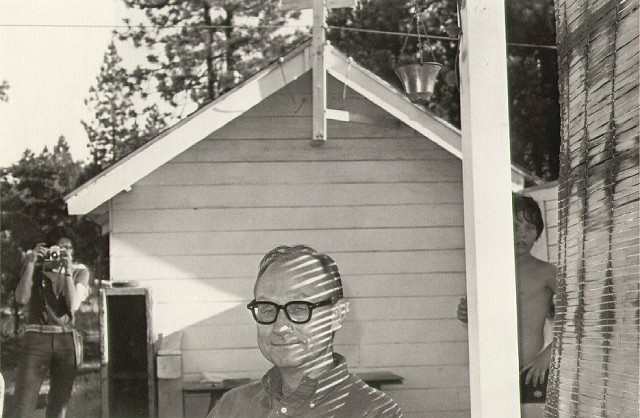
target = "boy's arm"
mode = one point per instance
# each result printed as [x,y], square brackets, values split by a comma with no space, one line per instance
[538,368]
[550,277]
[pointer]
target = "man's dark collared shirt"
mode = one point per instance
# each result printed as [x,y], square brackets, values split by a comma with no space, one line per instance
[336,393]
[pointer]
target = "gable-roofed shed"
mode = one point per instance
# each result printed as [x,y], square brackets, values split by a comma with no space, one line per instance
[192,212]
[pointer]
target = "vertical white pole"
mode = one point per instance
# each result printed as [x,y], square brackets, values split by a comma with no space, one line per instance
[490,266]
[319,89]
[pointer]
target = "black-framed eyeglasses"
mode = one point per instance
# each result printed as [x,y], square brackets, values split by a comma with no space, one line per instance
[297,311]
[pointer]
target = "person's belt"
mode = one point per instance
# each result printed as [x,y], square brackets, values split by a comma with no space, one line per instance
[51,329]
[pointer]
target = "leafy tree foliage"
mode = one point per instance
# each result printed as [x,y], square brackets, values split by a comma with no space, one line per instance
[197,49]
[533,86]
[35,185]
[532,71]
[379,53]
[32,203]
[114,129]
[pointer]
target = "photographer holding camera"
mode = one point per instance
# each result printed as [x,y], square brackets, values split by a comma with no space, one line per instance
[53,287]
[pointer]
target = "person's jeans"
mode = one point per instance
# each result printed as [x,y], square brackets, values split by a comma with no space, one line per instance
[42,352]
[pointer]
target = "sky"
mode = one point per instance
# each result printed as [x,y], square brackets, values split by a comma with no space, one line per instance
[50,70]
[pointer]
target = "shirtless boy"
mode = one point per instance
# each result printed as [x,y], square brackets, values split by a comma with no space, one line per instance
[536,285]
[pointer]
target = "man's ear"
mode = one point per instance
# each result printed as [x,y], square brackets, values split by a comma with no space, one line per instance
[340,310]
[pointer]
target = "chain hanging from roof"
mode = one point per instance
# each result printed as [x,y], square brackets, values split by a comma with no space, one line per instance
[418,79]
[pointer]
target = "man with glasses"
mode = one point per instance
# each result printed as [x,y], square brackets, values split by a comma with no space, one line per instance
[298,307]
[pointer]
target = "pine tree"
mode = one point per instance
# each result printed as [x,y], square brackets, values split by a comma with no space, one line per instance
[197,49]
[114,129]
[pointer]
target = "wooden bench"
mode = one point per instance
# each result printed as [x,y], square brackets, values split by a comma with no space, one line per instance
[215,390]
[377,379]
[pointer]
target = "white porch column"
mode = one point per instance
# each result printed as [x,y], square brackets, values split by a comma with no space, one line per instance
[491,286]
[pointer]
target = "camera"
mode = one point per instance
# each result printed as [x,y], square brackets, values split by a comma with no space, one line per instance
[53,253]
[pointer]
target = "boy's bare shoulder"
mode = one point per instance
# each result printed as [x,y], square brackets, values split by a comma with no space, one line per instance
[547,271]
[546,266]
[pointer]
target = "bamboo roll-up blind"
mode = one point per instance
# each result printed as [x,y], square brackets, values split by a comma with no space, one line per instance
[595,366]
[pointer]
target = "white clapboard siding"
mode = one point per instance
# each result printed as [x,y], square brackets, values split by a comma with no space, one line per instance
[308,172]
[429,377]
[299,104]
[370,309]
[356,149]
[289,195]
[248,360]
[388,355]
[246,242]
[200,266]
[295,127]
[360,286]
[383,201]
[359,356]
[353,332]
[268,219]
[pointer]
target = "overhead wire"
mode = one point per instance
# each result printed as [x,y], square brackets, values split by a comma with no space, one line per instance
[86,26]
[343,28]
[384,32]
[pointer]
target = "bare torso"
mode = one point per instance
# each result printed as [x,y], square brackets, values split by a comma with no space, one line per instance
[536,287]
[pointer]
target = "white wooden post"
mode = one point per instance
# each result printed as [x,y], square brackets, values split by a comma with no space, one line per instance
[319,71]
[490,266]
[318,41]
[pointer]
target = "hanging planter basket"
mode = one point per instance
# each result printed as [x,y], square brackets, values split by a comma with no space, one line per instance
[418,80]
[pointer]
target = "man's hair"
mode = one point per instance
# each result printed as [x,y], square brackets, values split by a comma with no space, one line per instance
[284,253]
[58,232]
[527,209]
